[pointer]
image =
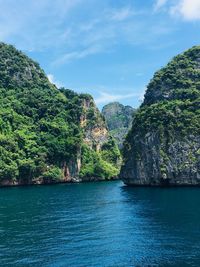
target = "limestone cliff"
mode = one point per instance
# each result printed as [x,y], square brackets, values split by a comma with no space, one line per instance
[93,124]
[119,120]
[163,147]
[100,157]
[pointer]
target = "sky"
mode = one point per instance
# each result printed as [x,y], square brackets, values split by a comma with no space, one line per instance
[108,48]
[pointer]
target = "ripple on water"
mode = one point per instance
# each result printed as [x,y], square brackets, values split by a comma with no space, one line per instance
[99,224]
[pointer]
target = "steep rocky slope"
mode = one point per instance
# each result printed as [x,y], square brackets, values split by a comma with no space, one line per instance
[119,120]
[48,135]
[163,147]
[19,71]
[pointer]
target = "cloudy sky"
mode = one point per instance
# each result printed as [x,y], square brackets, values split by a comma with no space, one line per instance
[108,48]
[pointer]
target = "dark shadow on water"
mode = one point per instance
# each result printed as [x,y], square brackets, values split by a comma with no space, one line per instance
[171,221]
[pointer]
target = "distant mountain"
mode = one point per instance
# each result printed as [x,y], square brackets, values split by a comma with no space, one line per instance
[119,120]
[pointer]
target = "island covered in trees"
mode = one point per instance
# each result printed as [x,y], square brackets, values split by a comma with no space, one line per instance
[52,135]
[48,134]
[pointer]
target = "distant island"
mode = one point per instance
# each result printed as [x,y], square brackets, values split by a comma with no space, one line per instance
[119,120]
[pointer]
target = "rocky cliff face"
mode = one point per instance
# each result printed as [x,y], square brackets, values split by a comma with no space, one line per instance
[98,150]
[119,120]
[17,70]
[95,131]
[100,158]
[163,147]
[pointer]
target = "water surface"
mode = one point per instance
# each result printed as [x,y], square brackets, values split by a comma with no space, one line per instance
[99,224]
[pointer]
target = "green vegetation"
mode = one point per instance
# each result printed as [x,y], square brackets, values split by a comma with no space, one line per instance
[119,120]
[97,163]
[103,164]
[171,108]
[53,174]
[180,79]
[19,71]
[40,129]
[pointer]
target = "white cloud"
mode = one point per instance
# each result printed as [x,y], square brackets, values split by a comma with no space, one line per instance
[187,9]
[73,30]
[102,35]
[34,25]
[159,4]
[106,98]
[121,14]
[66,58]
[53,80]
[141,96]
[96,34]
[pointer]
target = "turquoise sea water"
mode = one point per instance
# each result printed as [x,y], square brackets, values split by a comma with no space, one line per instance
[99,224]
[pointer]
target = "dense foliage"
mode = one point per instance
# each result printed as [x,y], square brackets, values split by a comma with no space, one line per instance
[103,164]
[118,119]
[40,129]
[171,106]
[178,80]
[19,71]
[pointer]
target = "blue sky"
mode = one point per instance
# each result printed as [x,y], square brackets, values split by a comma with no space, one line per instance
[108,48]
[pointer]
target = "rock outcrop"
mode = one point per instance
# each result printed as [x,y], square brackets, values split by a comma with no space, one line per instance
[95,130]
[163,146]
[19,71]
[101,158]
[119,120]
